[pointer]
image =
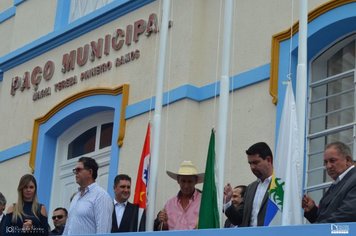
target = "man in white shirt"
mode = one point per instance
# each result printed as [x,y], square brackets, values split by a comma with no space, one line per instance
[253,210]
[338,204]
[91,207]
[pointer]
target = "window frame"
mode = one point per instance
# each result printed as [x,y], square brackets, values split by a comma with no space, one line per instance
[324,56]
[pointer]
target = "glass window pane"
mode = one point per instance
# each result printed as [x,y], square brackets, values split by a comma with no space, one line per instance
[316,177]
[332,105]
[83,144]
[317,125]
[345,136]
[340,118]
[332,120]
[334,87]
[331,110]
[318,144]
[106,135]
[343,60]
[316,160]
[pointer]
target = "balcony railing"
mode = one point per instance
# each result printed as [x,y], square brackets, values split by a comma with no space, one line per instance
[299,230]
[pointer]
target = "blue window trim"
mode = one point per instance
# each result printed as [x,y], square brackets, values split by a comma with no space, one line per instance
[62,14]
[15,151]
[10,12]
[323,31]
[18,2]
[50,130]
[7,14]
[200,94]
[74,30]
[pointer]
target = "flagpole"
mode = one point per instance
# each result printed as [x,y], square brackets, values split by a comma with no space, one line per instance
[301,90]
[161,65]
[224,103]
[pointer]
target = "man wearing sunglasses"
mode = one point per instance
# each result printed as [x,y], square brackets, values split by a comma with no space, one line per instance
[90,211]
[59,220]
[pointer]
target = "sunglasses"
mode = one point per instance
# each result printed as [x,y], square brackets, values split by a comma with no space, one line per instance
[57,217]
[77,170]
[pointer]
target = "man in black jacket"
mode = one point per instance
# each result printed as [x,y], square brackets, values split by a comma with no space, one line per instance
[125,215]
[252,211]
[338,204]
[234,198]
[2,208]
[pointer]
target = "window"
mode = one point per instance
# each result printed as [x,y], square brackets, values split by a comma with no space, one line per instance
[86,142]
[83,144]
[331,108]
[105,135]
[80,8]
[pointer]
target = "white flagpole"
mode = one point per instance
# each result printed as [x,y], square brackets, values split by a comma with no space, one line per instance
[301,90]
[224,103]
[161,65]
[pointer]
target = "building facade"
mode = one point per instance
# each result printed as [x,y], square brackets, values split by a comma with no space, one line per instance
[78,78]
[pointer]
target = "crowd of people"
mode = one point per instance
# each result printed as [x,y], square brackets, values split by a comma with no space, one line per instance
[93,211]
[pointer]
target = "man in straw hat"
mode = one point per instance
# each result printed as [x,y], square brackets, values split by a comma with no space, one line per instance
[181,212]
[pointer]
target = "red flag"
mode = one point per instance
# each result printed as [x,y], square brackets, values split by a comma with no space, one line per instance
[140,198]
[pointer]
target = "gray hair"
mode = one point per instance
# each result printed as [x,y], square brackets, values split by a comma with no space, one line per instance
[2,199]
[341,147]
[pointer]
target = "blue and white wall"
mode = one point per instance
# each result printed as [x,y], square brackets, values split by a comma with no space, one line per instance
[191,88]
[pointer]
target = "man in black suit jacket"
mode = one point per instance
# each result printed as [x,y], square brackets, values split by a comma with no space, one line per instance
[2,209]
[339,203]
[253,210]
[236,199]
[125,215]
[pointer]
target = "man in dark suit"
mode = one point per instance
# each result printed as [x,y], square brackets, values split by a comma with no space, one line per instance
[125,215]
[235,200]
[253,210]
[2,208]
[339,203]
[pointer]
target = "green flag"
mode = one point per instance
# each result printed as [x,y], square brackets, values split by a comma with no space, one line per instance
[209,213]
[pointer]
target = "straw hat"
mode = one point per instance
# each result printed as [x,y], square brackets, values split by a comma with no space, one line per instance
[187,168]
